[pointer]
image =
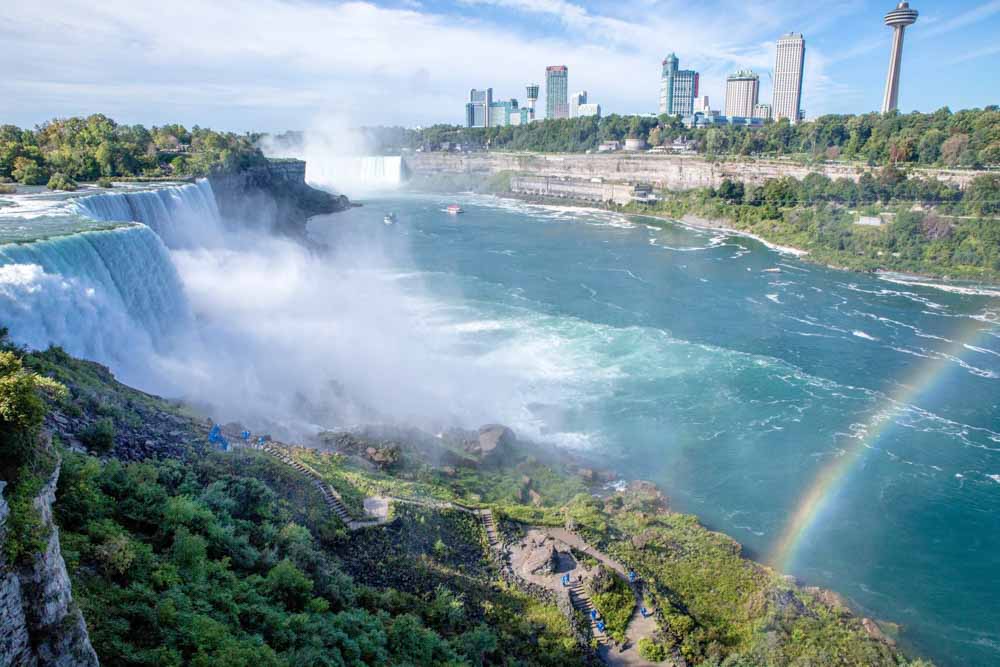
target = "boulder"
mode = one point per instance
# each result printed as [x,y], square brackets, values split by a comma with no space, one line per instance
[543,560]
[875,632]
[493,443]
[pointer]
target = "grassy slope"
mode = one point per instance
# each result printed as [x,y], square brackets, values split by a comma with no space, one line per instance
[127,528]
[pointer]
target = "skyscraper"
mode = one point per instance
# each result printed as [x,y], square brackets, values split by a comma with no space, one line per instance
[742,93]
[556,91]
[678,88]
[477,109]
[789,63]
[897,19]
[575,101]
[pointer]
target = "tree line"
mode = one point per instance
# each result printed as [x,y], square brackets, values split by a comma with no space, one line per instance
[63,151]
[923,225]
[968,138]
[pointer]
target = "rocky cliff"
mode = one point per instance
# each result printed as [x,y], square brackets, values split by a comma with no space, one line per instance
[273,195]
[39,624]
[674,172]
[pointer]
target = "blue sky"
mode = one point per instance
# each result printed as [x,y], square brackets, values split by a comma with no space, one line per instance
[276,64]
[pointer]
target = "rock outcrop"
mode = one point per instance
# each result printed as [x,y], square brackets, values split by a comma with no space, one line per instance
[273,195]
[39,624]
[493,443]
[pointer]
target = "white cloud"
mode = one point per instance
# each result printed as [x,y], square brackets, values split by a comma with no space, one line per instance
[978,13]
[268,64]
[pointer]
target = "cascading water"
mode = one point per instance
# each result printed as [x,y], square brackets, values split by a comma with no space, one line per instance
[183,216]
[112,295]
[356,173]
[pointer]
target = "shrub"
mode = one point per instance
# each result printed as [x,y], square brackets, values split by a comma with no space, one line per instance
[7,189]
[105,182]
[60,181]
[650,650]
[614,600]
[100,436]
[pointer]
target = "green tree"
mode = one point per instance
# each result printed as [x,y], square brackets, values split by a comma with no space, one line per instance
[289,585]
[99,437]
[28,172]
[982,197]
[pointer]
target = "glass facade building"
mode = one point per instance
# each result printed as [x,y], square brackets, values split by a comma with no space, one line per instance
[477,109]
[678,88]
[556,91]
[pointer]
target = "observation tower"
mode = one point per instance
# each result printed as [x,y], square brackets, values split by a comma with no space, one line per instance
[897,19]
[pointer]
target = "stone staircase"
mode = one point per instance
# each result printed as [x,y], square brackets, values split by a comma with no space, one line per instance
[330,496]
[492,536]
[581,601]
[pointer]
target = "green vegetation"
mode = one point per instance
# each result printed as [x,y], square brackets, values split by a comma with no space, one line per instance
[651,650]
[969,138]
[60,181]
[718,607]
[614,601]
[206,561]
[929,227]
[99,437]
[7,188]
[85,149]
[26,458]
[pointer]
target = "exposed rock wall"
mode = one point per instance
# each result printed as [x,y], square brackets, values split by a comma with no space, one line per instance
[273,195]
[675,172]
[39,624]
[575,189]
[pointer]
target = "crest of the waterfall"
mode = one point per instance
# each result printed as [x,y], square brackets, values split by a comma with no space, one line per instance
[184,216]
[353,174]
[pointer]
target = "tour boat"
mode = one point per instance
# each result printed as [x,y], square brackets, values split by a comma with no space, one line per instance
[389,218]
[454,209]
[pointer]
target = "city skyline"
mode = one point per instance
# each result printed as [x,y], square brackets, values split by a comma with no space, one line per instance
[341,62]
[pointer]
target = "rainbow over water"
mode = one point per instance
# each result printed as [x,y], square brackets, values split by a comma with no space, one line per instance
[820,497]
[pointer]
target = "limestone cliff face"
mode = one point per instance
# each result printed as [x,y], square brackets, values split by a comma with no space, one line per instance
[39,624]
[273,195]
[674,172]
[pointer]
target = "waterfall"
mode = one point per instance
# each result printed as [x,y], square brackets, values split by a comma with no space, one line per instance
[355,173]
[109,295]
[183,215]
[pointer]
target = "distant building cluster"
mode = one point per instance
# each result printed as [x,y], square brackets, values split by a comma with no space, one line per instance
[483,111]
[679,89]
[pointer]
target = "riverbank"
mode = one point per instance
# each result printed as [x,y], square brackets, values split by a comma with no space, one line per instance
[813,255]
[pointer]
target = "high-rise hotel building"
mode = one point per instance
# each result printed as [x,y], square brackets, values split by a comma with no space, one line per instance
[678,88]
[556,91]
[477,109]
[788,68]
[742,94]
